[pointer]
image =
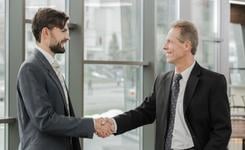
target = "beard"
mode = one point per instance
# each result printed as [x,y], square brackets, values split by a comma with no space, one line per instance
[57,48]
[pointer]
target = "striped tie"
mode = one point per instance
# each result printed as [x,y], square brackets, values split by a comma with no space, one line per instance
[174,97]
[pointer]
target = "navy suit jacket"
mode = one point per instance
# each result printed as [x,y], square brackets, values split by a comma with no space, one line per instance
[42,116]
[206,110]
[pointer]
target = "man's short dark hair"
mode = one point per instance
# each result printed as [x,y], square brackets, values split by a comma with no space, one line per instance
[187,32]
[47,17]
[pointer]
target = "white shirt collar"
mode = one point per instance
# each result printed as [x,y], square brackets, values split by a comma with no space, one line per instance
[49,57]
[186,73]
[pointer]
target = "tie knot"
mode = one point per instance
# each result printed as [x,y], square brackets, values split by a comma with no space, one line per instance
[177,77]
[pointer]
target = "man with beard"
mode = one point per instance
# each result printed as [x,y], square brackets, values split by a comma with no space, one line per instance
[45,114]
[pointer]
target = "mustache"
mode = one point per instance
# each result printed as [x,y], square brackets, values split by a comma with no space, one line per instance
[63,41]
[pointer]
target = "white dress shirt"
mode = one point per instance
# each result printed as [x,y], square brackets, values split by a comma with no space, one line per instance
[181,135]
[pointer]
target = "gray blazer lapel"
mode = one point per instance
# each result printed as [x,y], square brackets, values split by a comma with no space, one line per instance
[191,85]
[52,73]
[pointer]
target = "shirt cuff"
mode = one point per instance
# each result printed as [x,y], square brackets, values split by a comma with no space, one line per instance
[115,125]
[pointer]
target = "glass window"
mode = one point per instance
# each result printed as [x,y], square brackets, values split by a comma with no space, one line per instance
[237,80]
[30,40]
[205,14]
[2,71]
[2,135]
[31,9]
[33,6]
[110,90]
[112,32]
[2,56]
[167,12]
[237,54]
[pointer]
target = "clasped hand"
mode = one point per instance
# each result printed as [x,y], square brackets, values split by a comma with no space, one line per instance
[104,127]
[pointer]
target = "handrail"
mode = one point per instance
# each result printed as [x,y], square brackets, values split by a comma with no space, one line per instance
[7,120]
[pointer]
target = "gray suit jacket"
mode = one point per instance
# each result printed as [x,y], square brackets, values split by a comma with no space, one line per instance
[42,115]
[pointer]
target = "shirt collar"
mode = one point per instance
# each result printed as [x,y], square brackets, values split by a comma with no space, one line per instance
[49,57]
[186,73]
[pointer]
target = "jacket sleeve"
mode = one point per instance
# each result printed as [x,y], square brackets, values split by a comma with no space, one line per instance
[142,115]
[219,115]
[31,90]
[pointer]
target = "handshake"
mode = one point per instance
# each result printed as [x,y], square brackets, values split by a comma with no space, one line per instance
[104,127]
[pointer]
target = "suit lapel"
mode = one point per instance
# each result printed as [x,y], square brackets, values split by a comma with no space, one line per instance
[191,85]
[52,74]
[166,82]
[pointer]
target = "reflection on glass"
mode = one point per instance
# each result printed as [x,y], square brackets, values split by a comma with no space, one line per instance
[32,6]
[112,30]
[111,90]
[204,15]
[2,70]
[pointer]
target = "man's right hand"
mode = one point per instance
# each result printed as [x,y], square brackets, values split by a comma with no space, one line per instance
[104,127]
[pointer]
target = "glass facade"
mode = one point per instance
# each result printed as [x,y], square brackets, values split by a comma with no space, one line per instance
[237,80]
[2,56]
[112,32]
[110,90]
[33,6]
[2,71]
[111,87]
[112,82]
[205,15]
[237,54]
[167,12]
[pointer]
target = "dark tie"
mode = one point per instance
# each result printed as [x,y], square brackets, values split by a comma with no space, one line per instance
[174,97]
